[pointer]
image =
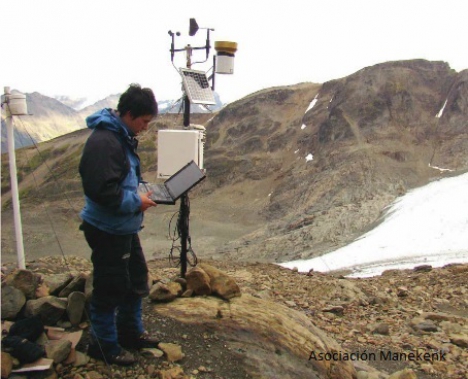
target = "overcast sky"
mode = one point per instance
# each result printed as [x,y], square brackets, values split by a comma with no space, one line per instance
[94,48]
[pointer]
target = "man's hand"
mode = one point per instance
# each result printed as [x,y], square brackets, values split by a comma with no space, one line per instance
[146,202]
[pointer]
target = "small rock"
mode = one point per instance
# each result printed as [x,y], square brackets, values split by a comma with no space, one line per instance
[336,309]
[381,328]
[42,291]
[83,325]
[451,327]
[81,359]
[459,340]
[58,350]
[438,316]
[423,268]
[93,375]
[402,291]
[150,370]
[88,290]
[152,352]
[404,374]
[7,364]
[172,373]
[64,324]
[71,358]
[426,326]
[172,351]
[427,368]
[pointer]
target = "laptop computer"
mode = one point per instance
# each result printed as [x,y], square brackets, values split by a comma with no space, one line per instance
[173,188]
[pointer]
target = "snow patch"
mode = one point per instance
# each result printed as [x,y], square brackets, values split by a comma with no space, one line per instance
[441,112]
[428,225]
[440,169]
[312,103]
[309,157]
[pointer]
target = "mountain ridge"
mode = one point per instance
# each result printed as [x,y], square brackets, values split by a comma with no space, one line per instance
[51,117]
[370,137]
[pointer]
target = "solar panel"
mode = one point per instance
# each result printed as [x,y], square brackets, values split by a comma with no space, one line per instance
[197,87]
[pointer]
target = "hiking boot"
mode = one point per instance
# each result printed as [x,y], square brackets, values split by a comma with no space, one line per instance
[145,340]
[123,358]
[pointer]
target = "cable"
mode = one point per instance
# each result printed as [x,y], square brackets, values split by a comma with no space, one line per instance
[192,259]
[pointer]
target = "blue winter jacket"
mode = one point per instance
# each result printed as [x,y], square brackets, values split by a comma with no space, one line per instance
[110,173]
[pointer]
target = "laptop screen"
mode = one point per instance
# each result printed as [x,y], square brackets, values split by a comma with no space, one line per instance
[184,180]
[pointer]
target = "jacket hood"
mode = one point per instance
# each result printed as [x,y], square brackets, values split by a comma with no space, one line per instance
[107,119]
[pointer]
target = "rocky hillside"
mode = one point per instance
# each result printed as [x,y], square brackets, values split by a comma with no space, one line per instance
[293,171]
[321,178]
[48,119]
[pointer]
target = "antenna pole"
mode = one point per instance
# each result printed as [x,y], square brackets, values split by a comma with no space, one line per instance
[14,193]
[213,75]
[184,209]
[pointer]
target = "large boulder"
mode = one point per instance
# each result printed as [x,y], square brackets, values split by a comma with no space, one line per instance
[272,340]
[58,350]
[198,281]
[221,284]
[161,292]
[50,309]
[13,300]
[57,282]
[76,284]
[24,280]
[75,307]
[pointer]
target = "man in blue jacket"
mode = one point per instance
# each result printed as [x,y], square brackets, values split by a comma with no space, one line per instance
[112,217]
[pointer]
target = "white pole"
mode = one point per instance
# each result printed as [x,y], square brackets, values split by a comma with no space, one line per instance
[14,193]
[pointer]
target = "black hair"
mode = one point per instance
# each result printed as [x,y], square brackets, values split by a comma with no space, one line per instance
[138,101]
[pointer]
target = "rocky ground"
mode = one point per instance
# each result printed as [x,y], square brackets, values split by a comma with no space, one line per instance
[414,319]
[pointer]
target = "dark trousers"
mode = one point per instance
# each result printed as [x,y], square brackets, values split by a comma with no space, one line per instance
[120,280]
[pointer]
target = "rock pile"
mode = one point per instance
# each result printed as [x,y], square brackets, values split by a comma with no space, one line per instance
[202,280]
[59,300]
